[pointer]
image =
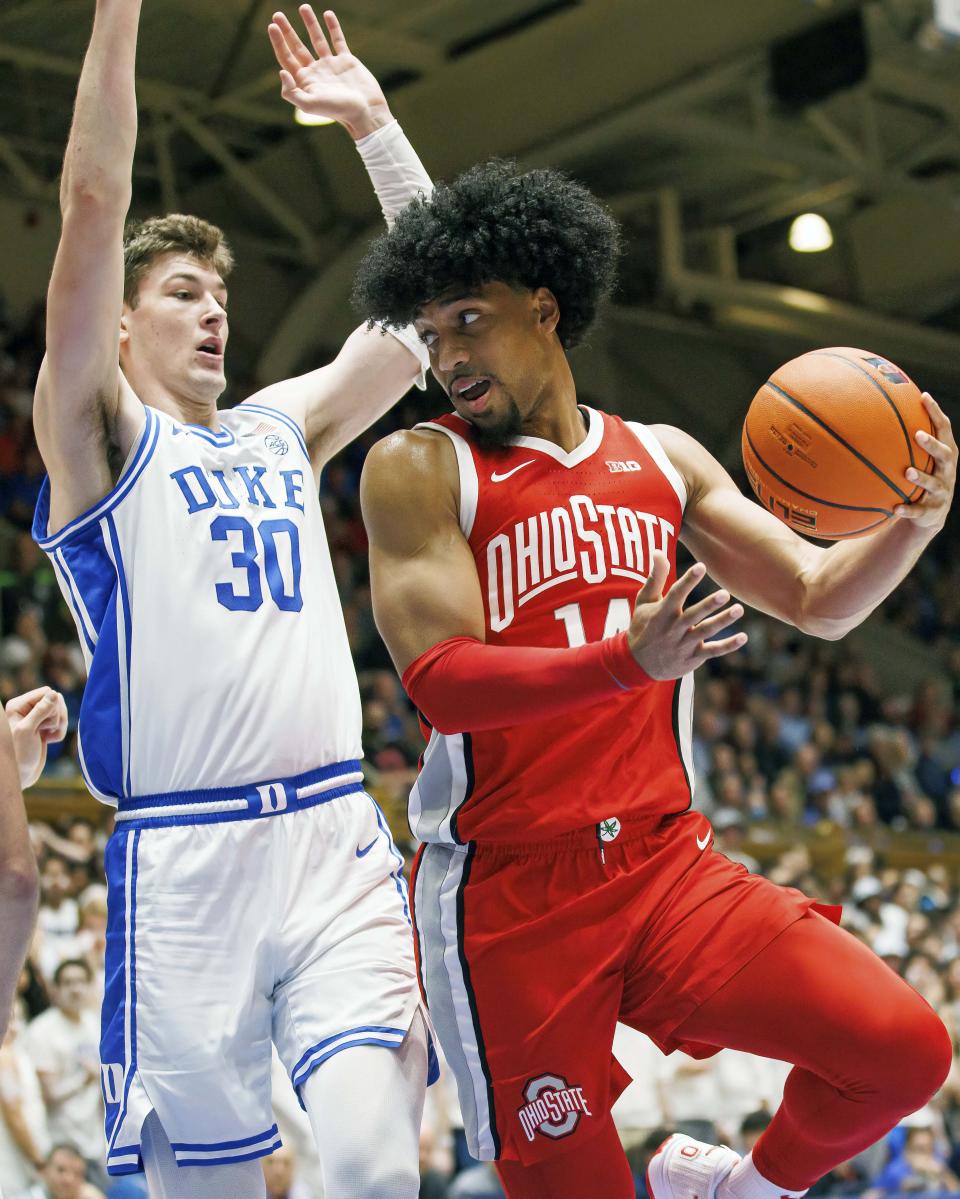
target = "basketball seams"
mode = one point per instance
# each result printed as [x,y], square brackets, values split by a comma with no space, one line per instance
[801,407]
[887,513]
[883,391]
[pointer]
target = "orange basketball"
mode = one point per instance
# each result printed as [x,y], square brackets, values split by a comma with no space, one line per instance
[828,438]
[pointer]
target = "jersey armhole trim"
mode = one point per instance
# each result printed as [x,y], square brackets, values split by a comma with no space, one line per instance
[654,447]
[291,424]
[137,460]
[467,470]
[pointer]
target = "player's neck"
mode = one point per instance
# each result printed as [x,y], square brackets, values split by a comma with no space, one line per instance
[189,410]
[555,416]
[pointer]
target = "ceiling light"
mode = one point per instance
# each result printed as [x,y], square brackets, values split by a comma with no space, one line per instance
[307,118]
[810,233]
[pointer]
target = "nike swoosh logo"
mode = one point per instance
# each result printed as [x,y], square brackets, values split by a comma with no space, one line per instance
[497,478]
[704,843]
[362,853]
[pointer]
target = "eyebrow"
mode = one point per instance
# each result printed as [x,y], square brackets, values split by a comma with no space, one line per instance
[191,278]
[464,295]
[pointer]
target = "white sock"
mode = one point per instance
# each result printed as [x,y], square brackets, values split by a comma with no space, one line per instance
[746,1182]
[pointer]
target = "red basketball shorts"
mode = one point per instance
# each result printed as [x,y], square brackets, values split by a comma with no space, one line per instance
[529,954]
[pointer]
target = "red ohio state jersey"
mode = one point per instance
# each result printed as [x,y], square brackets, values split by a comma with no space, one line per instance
[562,544]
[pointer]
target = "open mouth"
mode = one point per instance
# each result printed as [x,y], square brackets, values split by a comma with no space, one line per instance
[472,391]
[211,347]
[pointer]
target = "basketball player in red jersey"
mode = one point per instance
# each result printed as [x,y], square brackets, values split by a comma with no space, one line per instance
[565,882]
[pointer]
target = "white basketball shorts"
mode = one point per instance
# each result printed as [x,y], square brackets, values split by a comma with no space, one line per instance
[236,917]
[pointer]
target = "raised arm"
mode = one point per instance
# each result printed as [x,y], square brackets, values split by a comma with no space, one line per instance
[19,884]
[823,592]
[373,370]
[79,415]
[428,606]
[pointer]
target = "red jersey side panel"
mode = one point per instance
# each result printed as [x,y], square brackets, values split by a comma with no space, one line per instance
[562,544]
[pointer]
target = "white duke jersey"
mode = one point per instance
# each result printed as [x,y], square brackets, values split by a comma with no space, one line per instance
[207,610]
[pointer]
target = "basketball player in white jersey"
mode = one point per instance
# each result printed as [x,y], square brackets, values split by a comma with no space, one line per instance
[255,892]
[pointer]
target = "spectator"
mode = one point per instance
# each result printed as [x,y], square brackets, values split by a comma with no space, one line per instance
[279,1174]
[919,1168]
[24,1139]
[64,1176]
[63,1044]
[751,1127]
[639,1155]
[479,1182]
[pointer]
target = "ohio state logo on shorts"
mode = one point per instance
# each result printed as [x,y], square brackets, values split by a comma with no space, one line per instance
[553,1107]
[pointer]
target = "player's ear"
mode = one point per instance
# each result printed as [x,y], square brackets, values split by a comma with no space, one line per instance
[124,329]
[547,309]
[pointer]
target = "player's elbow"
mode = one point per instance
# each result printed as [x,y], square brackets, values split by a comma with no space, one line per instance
[93,195]
[19,882]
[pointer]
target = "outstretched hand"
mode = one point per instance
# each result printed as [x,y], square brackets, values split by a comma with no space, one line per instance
[36,719]
[669,640]
[328,81]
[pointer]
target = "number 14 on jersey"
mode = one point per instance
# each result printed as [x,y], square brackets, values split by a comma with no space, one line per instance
[619,613]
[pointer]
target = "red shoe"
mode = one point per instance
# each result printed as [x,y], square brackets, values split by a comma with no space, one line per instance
[683,1168]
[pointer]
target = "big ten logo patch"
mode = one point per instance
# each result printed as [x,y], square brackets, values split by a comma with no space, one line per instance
[553,1108]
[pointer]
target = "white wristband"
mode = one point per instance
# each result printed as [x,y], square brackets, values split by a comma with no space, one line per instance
[395,171]
[409,337]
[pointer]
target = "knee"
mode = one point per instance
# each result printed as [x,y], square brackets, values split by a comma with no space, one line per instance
[363,1174]
[916,1056]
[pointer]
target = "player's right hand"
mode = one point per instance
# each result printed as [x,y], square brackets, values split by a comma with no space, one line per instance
[669,640]
[36,718]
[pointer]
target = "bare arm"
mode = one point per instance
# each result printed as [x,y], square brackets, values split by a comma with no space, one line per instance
[77,413]
[19,883]
[11,1110]
[423,577]
[372,371]
[824,592]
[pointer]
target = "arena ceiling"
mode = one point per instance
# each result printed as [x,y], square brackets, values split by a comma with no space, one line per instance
[665,107]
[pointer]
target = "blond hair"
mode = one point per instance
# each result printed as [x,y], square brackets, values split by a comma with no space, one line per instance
[145,241]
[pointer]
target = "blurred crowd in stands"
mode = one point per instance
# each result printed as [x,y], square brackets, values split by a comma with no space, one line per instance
[789,733]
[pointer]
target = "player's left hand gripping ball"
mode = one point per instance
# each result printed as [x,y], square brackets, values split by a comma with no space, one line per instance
[930,511]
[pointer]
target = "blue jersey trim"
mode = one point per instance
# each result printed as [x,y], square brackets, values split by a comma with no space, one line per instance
[142,455]
[224,1161]
[316,1056]
[322,774]
[224,438]
[291,424]
[127,638]
[128,922]
[272,1131]
[77,607]
[347,1032]
[397,873]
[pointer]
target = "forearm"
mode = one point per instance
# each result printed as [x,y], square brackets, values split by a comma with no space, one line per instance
[99,156]
[853,577]
[463,685]
[19,897]
[396,172]
[19,1130]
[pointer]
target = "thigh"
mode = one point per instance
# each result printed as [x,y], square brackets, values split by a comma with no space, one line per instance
[807,997]
[365,1109]
[523,994]
[700,918]
[186,1013]
[345,973]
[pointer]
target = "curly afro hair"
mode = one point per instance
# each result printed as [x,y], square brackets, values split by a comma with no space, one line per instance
[494,224]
